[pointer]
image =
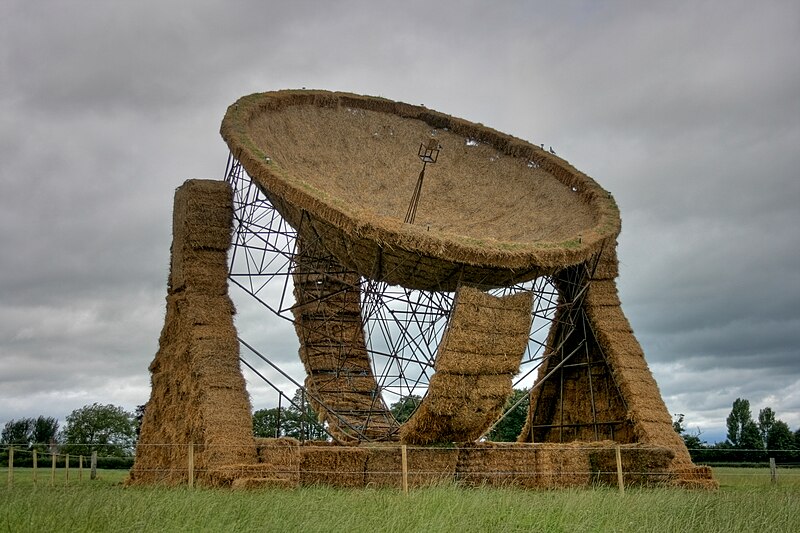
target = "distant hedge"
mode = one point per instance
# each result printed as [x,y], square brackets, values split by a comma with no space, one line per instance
[24,459]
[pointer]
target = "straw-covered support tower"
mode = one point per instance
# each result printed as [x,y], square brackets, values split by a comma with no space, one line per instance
[502,267]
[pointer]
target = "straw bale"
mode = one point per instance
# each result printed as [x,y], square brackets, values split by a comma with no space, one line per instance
[470,387]
[495,324]
[426,427]
[353,401]
[455,415]
[623,347]
[564,465]
[498,464]
[472,301]
[695,477]
[643,465]
[426,466]
[639,382]
[338,466]
[494,344]
[610,318]
[200,309]
[478,363]
[201,270]
[280,457]
[573,464]
[202,216]
[348,412]
[228,474]
[602,293]
[335,384]
[607,268]
[331,306]
[333,358]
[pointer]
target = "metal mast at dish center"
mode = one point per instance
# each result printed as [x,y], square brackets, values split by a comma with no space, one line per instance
[366,344]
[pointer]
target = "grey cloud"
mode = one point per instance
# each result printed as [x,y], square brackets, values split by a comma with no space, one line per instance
[685,112]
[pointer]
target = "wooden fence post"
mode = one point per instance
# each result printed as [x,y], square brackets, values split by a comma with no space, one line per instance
[404,463]
[66,469]
[80,468]
[10,466]
[191,465]
[620,481]
[53,469]
[93,465]
[773,471]
[35,461]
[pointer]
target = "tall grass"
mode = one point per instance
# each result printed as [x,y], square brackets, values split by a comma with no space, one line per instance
[746,501]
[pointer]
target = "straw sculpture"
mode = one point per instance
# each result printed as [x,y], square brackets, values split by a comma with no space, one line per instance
[198,393]
[494,212]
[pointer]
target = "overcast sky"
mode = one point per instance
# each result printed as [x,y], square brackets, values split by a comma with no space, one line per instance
[688,112]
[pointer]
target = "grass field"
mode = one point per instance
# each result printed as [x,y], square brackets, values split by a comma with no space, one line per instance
[746,502]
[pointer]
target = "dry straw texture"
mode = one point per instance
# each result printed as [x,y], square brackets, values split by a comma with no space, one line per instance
[328,321]
[493,208]
[288,463]
[198,393]
[606,391]
[478,355]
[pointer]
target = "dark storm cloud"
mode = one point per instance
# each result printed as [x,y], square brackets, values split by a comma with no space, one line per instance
[687,112]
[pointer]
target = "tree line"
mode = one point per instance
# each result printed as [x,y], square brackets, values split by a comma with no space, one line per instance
[299,420]
[109,430]
[748,440]
[112,432]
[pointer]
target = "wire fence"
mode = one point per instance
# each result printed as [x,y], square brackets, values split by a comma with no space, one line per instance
[293,464]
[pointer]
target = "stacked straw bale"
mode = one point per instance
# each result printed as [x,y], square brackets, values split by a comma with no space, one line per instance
[198,393]
[628,404]
[329,464]
[328,321]
[480,352]
[573,464]
[646,411]
[426,465]
[288,463]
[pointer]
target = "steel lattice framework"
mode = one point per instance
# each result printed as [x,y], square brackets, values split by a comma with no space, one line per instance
[403,327]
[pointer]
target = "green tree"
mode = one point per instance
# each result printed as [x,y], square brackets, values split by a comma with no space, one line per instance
[691,440]
[44,432]
[30,432]
[107,429]
[296,420]
[751,437]
[509,428]
[139,416]
[677,424]
[265,422]
[739,419]
[403,408]
[766,419]
[17,432]
[781,441]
